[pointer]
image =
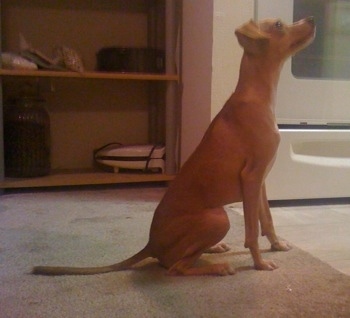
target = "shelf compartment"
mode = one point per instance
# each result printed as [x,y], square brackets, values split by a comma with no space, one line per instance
[91,75]
[89,177]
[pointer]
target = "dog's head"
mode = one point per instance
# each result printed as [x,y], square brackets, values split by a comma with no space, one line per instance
[276,38]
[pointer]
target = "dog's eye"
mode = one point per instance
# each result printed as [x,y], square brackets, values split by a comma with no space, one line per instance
[279,25]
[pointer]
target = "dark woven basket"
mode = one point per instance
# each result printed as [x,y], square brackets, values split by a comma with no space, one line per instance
[26,138]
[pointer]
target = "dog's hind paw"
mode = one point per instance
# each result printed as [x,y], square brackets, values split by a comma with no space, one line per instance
[224,269]
[218,248]
[280,246]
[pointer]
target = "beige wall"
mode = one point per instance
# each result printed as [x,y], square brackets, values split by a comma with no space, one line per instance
[211,58]
[228,15]
[196,72]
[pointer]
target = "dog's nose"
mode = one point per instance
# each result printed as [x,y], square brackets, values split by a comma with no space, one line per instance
[310,20]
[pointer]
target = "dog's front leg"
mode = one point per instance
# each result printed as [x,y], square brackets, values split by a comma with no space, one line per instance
[267,227]
[252,194]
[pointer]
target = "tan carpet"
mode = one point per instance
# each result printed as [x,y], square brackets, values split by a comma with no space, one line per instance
[96,227]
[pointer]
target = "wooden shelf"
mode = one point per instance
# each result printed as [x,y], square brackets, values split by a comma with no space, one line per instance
[91,75]
[72,178]
[154,25]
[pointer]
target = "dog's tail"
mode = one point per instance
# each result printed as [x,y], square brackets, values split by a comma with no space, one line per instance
[62,270]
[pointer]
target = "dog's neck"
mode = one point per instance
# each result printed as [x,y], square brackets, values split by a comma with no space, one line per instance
[258,80]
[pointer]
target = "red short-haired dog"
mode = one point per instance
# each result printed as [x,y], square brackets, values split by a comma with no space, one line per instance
[229,165]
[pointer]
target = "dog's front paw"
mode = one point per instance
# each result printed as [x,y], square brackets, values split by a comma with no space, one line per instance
[281,246]
[266,265]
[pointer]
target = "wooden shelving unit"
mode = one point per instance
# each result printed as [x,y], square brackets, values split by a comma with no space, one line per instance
[90,177]
[83,176]
[91,75]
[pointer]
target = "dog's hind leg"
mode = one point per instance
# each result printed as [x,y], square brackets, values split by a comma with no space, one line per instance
[207,233]
[267,227]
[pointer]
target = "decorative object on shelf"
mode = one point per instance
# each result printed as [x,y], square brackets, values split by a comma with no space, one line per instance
[65,58]
[37,57]
[123,59]
[41,60]
[12,61]
[69,59]
[26,137]
[141,157]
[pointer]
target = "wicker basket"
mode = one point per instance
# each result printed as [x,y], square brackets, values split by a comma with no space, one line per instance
[26,138]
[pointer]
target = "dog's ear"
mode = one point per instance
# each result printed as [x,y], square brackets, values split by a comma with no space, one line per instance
[251,38]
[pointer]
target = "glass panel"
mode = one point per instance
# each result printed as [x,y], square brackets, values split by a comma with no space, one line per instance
[329,55]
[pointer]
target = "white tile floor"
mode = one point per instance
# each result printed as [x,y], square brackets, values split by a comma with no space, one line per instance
[323,231]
